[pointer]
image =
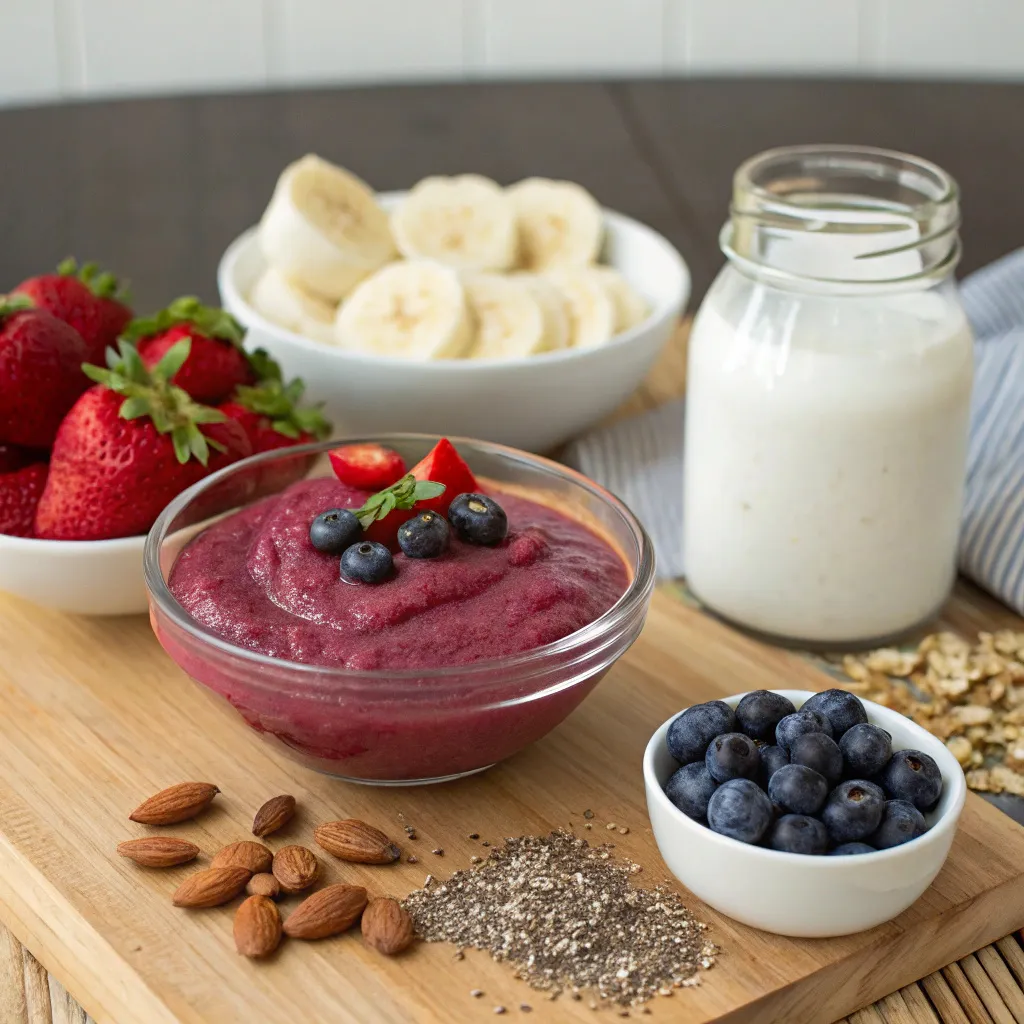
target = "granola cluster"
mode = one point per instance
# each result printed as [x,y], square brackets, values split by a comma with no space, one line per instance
[971,696]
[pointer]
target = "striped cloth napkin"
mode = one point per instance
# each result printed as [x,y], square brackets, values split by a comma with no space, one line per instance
[641,459]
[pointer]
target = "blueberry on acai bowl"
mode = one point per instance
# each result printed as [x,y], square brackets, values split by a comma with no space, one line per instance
[832,818]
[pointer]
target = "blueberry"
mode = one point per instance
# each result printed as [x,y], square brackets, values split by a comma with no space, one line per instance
[798,789]
[772,759]
[732,756]
[820,752]
[850,849]
[690,789]
[842,709]
[424,536]
[692,731]
[853,811]
[798,833]
[758,713]
[741,810]
[368,562]
[478,519]
[334,530]
[866,750]
[799,724]
[901,822]
[912,776]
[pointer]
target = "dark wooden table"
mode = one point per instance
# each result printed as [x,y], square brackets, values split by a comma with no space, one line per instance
[156,188]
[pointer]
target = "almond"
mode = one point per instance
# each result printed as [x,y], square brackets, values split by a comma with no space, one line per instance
[257,927]
[387,926]
[254,857]
[158,851]
[295,868]
[333,909]
[174,804]
[356,841]
[264,884]
[211,888]
[273,815]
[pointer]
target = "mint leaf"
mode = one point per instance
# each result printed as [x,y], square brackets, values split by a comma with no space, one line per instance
[425,489]
[403,494]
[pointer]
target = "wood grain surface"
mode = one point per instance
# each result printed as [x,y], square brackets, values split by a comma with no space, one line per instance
[156,188]
[95,723]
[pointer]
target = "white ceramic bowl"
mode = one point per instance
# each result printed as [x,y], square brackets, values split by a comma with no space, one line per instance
[534,403]
[87,577]
[793,894]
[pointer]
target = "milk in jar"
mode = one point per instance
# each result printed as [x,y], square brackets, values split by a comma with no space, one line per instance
[828,394]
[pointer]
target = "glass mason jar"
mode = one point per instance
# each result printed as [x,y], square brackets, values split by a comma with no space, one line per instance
[828,394]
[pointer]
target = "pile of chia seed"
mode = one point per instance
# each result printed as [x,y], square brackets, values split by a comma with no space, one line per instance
[566,916]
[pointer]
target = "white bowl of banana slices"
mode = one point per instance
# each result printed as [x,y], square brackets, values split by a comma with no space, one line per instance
[520,315]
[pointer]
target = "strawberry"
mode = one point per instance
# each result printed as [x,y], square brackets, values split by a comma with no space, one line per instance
[444,465]
[91,301]
[19,496]
[269,413]
[217,363]
[271,416]
[128,446]
[397,503]
[370,467]
[40,372]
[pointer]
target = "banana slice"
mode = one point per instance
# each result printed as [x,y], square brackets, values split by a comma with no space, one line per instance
[323,229]
[560,224]
[509,318]
[465,222]
[415,310]
[557,328]
[630,306]
[591,310]
[288,306]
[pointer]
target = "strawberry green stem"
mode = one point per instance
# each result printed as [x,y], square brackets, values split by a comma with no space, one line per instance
[102,283]
[149,392]
[280,404]
[209,320]
[14,304]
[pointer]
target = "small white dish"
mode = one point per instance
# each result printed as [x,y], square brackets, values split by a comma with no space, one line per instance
[534,402]
[85,577]
[793,894]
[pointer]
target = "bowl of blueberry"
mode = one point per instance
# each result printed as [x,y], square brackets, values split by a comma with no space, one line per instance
[805,814]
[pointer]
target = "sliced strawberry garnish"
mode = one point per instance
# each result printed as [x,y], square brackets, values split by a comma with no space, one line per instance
[370,467]
[444,465]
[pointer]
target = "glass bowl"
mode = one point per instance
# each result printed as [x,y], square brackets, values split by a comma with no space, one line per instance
[411,725]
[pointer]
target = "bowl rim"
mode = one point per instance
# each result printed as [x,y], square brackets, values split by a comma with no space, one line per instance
[632,601]
[231,295]
[946,822]
[109,545]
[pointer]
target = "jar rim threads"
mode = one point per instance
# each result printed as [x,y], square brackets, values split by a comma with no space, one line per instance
[892,218]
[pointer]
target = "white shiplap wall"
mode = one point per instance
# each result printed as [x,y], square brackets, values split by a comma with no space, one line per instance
[73,48]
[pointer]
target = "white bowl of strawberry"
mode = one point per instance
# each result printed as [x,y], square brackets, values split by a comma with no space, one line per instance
[105,418]
[395,625]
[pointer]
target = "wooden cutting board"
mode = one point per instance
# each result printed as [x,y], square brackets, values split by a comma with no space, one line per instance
[96,717]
